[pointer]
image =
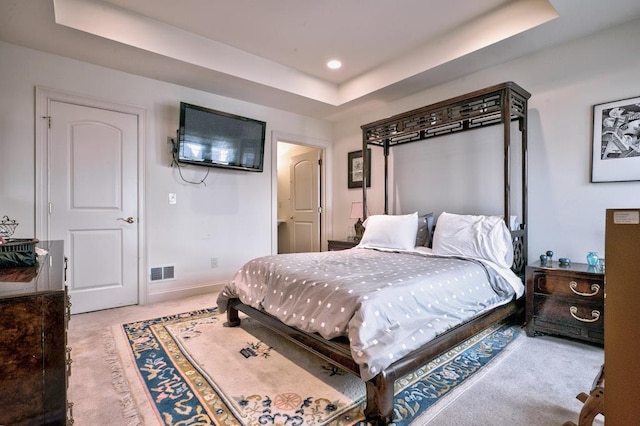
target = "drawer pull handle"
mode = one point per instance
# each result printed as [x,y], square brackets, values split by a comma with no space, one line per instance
[595,314]
[595,288]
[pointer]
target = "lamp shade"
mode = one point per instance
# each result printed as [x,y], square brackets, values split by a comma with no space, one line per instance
[356,210]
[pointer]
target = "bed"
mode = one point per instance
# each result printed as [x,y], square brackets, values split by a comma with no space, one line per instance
[380,310]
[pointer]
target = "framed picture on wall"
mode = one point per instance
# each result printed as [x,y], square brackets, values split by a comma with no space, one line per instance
[355,172]
[616,141]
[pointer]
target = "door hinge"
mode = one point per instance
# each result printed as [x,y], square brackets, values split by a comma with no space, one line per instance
[48,117]
[50,207]
[320,209]
[320,162]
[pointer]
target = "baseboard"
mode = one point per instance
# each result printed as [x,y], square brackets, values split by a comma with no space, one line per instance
[179,293]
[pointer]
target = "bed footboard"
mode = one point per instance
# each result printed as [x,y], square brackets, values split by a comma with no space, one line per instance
[380,389]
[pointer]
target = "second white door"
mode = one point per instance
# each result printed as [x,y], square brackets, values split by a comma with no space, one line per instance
[305,202]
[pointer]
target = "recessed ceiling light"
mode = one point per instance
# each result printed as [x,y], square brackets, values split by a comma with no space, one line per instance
[334,64]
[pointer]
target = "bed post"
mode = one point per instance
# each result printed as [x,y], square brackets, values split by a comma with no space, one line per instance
[233,319]
[524,129]
[506,127]
[379,409]
[366,164]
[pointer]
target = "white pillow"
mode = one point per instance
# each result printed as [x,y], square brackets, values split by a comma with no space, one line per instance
[486,237]
[396,232]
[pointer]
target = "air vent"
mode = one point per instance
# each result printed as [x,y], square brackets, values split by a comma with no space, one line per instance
[161,273]
[156,274]
[168,272]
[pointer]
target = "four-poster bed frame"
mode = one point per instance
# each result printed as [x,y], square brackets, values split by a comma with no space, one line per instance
[500,104]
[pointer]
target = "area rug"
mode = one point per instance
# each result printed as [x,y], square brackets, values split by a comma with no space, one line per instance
[190,369]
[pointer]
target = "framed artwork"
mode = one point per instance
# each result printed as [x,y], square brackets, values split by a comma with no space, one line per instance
[616,141]
[355,171]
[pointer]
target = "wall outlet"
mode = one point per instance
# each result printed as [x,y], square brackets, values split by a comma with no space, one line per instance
[214,262]
[172,198]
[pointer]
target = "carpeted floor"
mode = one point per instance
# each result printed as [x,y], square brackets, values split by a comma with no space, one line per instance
[535,384]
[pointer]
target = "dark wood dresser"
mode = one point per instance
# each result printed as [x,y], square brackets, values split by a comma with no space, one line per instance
[35,362]
[566,301]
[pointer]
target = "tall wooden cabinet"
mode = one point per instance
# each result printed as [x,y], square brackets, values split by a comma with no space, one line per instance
[622,317]
[34,360]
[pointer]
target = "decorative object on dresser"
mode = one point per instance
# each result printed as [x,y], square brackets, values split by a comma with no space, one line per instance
[592,258]
[566,301]
[7,227]
[15,252]
[35,362]
[564,261]
[334,245]
[356,213]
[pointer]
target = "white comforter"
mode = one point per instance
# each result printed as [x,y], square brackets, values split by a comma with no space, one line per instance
[387,303]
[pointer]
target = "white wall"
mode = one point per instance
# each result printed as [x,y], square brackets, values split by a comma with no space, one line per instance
[566,211]
[230,218]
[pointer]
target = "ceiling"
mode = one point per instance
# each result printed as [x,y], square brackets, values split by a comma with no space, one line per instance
[274,52]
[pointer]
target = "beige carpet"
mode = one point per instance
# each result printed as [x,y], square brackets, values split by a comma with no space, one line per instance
[535,384]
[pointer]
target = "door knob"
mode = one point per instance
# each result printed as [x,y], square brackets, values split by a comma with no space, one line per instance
[128,220]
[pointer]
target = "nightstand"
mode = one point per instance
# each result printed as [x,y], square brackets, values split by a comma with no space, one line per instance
[566,301]
[334,245]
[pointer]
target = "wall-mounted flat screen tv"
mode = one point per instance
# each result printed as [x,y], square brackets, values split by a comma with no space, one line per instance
[218,139]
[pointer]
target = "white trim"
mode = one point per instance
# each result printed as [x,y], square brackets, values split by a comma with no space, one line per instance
[326,183]
[44,97]
[174,293]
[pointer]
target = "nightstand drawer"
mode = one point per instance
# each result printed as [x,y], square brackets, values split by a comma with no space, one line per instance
[568,286]
[566,311]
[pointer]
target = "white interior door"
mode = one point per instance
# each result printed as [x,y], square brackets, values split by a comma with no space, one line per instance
[93,202]
[305,202]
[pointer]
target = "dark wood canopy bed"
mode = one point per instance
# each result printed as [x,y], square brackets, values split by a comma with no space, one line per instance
[500,104]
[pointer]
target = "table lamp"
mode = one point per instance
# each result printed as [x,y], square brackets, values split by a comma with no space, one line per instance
[356,213]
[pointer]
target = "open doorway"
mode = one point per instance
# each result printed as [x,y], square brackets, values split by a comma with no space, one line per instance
[299,205]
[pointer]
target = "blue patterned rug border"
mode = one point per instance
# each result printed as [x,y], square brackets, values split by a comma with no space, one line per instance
[424,393]
[178,402]
[175,399]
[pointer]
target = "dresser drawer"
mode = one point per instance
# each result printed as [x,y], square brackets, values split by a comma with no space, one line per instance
[561,285]
[565,317]
[569,312]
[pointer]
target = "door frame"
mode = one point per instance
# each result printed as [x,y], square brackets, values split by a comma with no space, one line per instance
[326,183]
[44,96]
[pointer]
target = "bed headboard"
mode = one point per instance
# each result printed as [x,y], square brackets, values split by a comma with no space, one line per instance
[500,104]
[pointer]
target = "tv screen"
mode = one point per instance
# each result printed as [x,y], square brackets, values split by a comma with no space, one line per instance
[213,138]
